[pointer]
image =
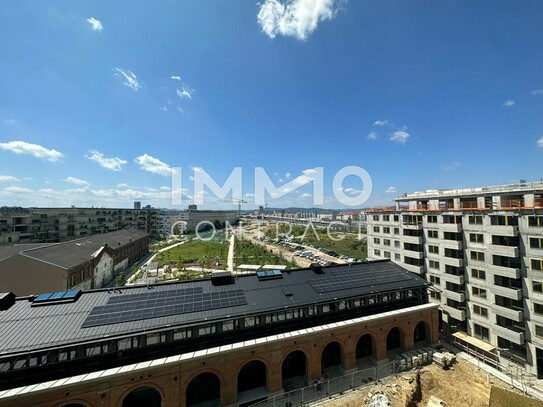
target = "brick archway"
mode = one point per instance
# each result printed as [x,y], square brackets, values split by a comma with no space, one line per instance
[207,383]
[158,389]
[256,370]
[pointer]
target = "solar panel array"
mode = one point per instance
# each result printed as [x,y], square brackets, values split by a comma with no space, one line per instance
[155,304]
[343,280]
[59,296]
[269,274]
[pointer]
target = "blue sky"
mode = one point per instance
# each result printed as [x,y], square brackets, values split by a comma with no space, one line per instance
[100,100]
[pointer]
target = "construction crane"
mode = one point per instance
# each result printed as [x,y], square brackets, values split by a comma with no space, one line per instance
[238,201]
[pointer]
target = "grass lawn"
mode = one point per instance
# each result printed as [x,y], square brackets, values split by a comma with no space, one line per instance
[349,245]
[194,251]
[246,252]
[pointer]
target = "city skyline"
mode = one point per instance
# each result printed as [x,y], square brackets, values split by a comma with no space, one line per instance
[99,108]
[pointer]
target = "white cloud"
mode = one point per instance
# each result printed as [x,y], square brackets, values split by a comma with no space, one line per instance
[114,163]
[288,175]
[185,92]
[540,142]
[294,18]
[96,25]
[175,78]
[391,190]
[399,136]
[122,185]
[10,121]
[351,191]
[381,123]
[452,166]
[153,165]
[17,190]
[508,103]
[305,195]
[537,92]
[35,150]
[180,110]
[128,77]
[372,135]
[76,181]
[8,178]
[165,188]
[163,108]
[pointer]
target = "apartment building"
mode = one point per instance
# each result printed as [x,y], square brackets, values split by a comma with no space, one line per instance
[53,225]
[482,249]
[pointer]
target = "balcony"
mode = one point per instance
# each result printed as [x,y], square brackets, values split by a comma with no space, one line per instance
[412,239]
[456,296]
[505,271]
[502,230]
[450,227]
[513,313]
[451,261]
[512,293]
[452,244]
[459,314]
[453,278]
[508,251]
[412,268]
[512,334]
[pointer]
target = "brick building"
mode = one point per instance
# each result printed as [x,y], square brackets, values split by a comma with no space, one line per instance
[85,263]
[219,341]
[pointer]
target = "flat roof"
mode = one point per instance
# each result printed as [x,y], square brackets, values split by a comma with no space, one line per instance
[27,328]
[74,252]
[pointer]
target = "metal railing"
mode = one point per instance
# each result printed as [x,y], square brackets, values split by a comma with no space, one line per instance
[327,388]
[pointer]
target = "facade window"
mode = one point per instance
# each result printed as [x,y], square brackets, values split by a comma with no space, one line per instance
[375,217]
[397,257]
[538,308]
[537,264]
[376,240]
[386,229]
[396,243]
[539,331]
[396,231]
[386,242]
[479,256]
[432,218]
[435,280]
[396,218]
[377,252]
[476,238]
[480,274]
[386,218]
[481,332]
[153,339]
[482,311]
[433,249]
[537,286]
[386,254]
[535,221]
[475,220]
[376,229]
[435,296]
[478,292]
[434,264]
[432,234]
[536,243]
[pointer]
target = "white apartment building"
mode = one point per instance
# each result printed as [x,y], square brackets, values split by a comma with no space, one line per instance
[482,248]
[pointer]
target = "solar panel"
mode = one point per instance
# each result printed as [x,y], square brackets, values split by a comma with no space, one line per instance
[43,297]
[135,307]
[71,294]
[57,296]
[269,275]
[357,278]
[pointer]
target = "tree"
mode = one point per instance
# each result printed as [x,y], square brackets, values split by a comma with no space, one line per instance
[121,279]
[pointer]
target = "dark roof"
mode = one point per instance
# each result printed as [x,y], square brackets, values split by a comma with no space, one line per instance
[75,252]
[7,251]
[26,327]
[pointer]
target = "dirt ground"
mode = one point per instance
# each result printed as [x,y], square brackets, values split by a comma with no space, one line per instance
[463,386]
